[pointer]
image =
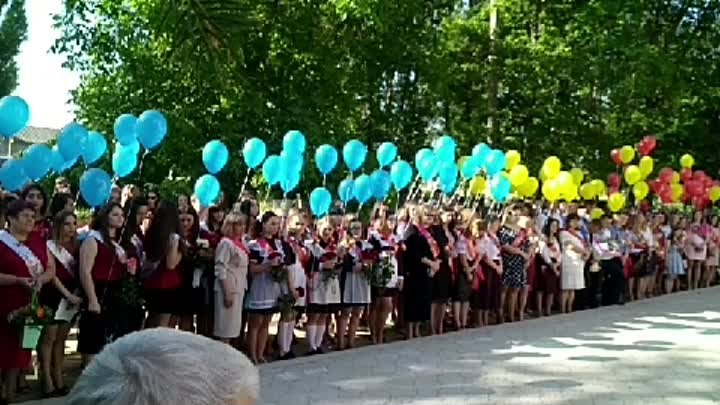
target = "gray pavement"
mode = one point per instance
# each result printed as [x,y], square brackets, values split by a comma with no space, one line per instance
[664,351]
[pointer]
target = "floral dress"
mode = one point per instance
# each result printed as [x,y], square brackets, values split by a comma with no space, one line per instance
[514,275]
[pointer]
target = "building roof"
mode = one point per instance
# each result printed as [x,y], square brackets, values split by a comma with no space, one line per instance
[39,135]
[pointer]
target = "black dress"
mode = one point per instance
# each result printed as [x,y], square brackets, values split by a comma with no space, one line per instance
[417,287]
[442,280]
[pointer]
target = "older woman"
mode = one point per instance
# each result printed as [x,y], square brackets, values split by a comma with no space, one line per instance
[575,253]
[179,367]
[231,269]
[25,267]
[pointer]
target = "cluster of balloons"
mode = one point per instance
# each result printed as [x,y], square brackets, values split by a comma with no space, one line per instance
[215,156]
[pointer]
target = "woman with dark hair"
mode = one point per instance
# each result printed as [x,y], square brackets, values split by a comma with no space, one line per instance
[444,234]
[61,202]
[550,260]
[183,201]
[251,210]
[354,283]
[25,268]
[164,251]
[103,265]
[488,250]
[132,240]
[193,266]
[51,351]
[35,195]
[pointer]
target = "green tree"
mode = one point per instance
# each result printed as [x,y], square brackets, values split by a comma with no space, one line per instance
[13,31]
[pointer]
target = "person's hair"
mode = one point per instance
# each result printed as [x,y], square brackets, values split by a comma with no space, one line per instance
[231,219]
[15,207]
[132,227]
[572,217]
[211,218]
[165,222]
[548,228]
[36,187]
[58,203]
[267,216]
[101,223]
[195,229]
[163,365]
[59,223]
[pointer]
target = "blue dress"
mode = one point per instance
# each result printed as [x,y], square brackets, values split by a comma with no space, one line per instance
[676,267]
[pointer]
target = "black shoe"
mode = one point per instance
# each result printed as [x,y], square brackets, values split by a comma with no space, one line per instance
[288,356]
[312,352]
[319,351]
[61,392]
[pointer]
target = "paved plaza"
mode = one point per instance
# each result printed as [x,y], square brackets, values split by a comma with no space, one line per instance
[664,351]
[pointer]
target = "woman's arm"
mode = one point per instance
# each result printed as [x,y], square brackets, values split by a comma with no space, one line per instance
[174,255]
[88,252]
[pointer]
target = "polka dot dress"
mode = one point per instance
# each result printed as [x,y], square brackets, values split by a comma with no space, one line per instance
[514,275]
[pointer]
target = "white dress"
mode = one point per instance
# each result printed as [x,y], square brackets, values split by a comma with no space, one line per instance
[231,264]
[572,276]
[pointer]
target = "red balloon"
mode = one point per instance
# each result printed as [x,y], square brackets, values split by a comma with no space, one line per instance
[694,188]
[666,175]
[699,175]
[655,185]
[614,180]
[665,194]
[615,156]
[708,182]
[644,206]
[647,145]
[700,203]
[686,175]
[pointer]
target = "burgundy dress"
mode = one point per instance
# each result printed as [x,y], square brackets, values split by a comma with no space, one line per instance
[14,297]
[50,295]
[163,289]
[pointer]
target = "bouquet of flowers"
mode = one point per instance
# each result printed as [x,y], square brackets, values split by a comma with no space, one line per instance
[279,273]
[131,288]
[31,318]
[369,261]
[286,302]
[382,272]
[329,274]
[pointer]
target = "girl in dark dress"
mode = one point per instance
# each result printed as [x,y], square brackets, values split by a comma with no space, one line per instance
[51,351]
[549,267]
[192,267]
[354,284]
[466,265]
[488,250]
[132,241]
[444,235]
[420,264]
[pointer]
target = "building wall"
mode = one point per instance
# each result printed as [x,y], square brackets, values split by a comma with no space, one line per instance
[16,146]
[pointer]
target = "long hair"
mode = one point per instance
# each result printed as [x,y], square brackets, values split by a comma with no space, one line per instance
[58,223]
[101,224]
[132,226]
[36,187]
[195,229]
[58,203]
[211,219]
[548,228]
[165,222]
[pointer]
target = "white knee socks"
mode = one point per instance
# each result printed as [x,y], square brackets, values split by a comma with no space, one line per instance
[311,332]
[319,335]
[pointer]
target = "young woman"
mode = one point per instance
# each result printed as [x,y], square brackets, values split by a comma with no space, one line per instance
[35,195]
[354,284]
[443,232]
[675,263]
[216,216]
[103,265]
[514,245]
[575,254]
[61,202]
[489,252]
[153,199]
[132,241]
[296,273]
[51,351]
[386,247]
[231,270]
[466,264]
[713,252]
[192,268]
[420,263]
[696,250]
[25,268]
[183,202]
[550,265]
[646,276]
[269,258]
[324,293]
[164,251]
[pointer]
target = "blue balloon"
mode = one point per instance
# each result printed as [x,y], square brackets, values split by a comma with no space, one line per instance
[471,167]
[207,190]
[326,157]
[95,147]
[71,141]
[37,160]
[12,175]
[346,190]
[380,184]
[95,186]
[444,148]
[58,162]
[447,173]
[449,187]
[125,129]
[320,201]
[495,162]
[428,168]
[292,161]
[215,156]
[421,155]
[254,152]
[354,154]
[290,181]
[401,174]
[14,116]
[124,161]
[151,129]
[271,169]
[500,188]
[294,142]
[481,151]
[386,153]
[362,191]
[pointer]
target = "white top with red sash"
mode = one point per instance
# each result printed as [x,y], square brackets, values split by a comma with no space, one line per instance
[572,246]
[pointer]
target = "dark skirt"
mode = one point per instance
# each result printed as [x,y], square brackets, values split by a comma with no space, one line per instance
[164,301]
[376,293]
[548,280]
[97,330]
[461,289]
[490,290]
[263,311]
[416,295]
[50,296]
[322,308]
[441,283]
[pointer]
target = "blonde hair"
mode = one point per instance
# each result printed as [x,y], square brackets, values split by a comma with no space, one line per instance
[231,219]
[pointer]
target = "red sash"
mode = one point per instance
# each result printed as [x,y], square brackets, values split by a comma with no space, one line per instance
[578,237]
[271,249]
[434,248]
[241,245]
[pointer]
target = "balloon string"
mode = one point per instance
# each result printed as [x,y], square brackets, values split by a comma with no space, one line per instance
[242,189]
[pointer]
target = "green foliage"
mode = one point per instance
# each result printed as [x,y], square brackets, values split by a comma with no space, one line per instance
[571,78]
[13,30]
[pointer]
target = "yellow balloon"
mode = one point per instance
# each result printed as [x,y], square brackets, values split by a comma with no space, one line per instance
[632,174]
[542,175]
[687,161]
[577,175]
[627,154]
[518,175]
[477,185]
[552,167]
[675,178]
[641,190]
[714,193]
[587,191]
[616,202]
[596,213]
[570,193]
[529,188]
[646,165]
[565,180]
[599,186]
[678,191]
[512,158]
[551,190]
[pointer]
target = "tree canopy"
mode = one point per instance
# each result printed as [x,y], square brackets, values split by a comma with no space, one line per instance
[571,78]
[13,30]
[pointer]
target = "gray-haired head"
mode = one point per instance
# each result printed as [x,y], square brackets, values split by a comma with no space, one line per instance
[163,366]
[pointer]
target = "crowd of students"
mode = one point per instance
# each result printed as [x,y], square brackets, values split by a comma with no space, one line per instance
[227,271]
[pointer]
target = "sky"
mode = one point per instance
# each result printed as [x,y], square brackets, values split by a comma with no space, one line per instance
[44,83]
